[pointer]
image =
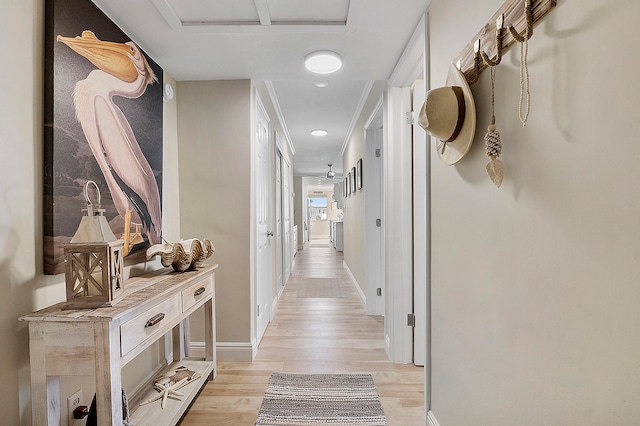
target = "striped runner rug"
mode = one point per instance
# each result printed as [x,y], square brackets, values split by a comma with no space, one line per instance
[321,399]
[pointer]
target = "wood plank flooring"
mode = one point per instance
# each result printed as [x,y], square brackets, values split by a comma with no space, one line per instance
[313,335]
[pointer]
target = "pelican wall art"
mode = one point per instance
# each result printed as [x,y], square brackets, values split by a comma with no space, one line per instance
[103,122]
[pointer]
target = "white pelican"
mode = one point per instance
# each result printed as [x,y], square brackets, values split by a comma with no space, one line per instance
[122,71]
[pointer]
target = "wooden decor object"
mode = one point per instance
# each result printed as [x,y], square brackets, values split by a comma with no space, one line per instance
[94,270]
[514,12]
[94,274]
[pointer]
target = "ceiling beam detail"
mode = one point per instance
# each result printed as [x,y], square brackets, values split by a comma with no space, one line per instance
[265,24]
[356,9]
[263,12]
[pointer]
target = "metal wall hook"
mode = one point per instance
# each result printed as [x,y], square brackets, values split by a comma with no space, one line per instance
[528,32]
[492,62]
[513,11]
[473,78]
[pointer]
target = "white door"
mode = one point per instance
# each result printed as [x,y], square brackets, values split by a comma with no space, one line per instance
[398,227]
[287,214]
[374,235]
[263,236]
[279,246]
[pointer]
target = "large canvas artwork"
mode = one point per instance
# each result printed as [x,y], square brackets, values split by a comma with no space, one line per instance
[103,122]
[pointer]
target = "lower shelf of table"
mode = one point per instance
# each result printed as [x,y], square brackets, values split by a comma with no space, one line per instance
[153,415]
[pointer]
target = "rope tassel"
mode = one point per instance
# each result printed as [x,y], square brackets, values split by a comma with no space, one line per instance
[495,168]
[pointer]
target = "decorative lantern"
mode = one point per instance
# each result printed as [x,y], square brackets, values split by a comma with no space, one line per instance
[94,260]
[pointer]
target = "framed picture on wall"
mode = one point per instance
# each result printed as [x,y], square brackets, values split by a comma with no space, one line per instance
[359,174]
[117,145]
[348,182]
[353,179]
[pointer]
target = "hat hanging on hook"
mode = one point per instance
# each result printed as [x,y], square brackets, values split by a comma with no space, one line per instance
[449,115]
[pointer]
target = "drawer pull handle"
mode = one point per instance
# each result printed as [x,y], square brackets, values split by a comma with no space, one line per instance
[154,320]
[199,291]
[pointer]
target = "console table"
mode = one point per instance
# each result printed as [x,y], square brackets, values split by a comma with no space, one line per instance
[99,342]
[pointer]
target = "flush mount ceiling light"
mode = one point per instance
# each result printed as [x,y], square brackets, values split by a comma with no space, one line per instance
[330,174]
[323,62]
[321,83]
[319,132]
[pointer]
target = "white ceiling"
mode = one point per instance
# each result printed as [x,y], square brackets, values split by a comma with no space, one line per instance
[268,40]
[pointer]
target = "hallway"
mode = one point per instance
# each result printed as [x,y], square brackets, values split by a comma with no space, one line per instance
[320,327]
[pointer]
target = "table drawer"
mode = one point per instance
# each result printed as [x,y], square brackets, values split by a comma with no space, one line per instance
[152,323]
[196,292]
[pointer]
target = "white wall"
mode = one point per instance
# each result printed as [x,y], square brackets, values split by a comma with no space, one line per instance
[535,285]
[215,182]
[24,286]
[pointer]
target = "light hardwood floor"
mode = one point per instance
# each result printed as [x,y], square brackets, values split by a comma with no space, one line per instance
[313,335]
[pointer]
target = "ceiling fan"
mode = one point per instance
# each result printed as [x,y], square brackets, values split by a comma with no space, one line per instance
[330,174]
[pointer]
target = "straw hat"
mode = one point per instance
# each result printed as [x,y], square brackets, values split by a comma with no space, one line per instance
[449,115]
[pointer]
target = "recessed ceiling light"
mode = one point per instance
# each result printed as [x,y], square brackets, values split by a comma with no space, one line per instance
[319,132]
[321,83]
[323,62]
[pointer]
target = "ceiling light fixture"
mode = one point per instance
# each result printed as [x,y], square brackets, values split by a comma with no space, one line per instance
[330,174]
[319,132]
[323,83]
[323,62]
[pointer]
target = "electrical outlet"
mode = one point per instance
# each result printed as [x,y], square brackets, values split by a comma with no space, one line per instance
[73,401]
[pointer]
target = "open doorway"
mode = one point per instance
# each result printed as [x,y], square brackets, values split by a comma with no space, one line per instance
[321,210]
[318,219]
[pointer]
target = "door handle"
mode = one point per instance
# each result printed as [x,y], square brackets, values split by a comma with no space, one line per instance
[269,234]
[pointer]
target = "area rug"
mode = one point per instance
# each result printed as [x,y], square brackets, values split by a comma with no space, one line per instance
[321,399]
[321,287]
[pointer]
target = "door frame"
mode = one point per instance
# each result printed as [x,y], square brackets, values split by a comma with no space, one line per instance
[279,226]
[420,225]
[413,63]
[284,255]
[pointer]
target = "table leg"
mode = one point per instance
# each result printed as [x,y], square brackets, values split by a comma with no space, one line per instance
[108,375]
[210,336]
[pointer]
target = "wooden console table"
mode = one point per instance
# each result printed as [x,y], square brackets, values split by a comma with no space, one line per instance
[99,342]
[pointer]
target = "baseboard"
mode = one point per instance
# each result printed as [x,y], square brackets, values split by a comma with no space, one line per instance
[275,302]
[431,419]
[225,351]
[387,345]
[363,298]
[196,349]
